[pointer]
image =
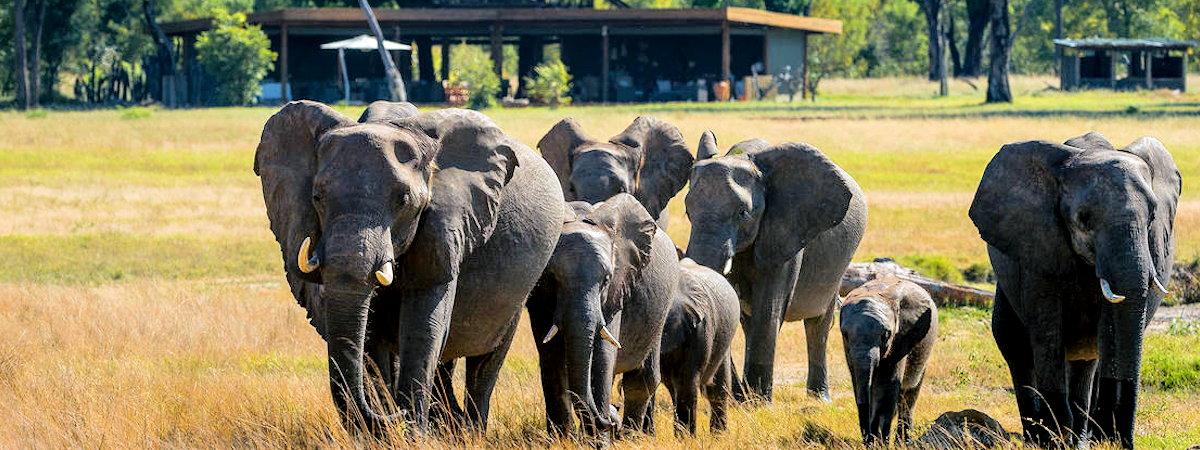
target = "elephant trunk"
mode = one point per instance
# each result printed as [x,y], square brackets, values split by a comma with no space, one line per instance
[711,248]
[347,325]
[1123,263]
[862,370]
[581,330]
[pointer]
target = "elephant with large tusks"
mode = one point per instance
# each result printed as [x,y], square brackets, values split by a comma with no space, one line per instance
[411,239]
[781,222]
[649,160]
[1081,238]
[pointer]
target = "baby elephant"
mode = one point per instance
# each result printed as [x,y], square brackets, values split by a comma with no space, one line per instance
[695,344]
[888,328]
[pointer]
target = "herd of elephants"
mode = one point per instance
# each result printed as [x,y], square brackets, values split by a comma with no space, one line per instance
[415,239]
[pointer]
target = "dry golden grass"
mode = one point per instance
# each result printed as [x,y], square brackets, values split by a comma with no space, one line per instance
[141,303]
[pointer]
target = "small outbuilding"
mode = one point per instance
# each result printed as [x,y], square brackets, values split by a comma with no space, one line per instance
[1124,64]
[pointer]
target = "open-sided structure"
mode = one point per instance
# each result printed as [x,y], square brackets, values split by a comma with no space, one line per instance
[1124,63]
[614,54]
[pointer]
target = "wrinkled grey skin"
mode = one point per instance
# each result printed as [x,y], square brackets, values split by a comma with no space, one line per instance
[1057,219]
[650,160]
[695,345]
[888,327]
[613,267]
[786,221]
[467,240]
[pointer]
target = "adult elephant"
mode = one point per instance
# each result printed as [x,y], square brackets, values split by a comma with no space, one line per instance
[599,311]
[410,239]
[782,223]
[1080,236]
[650,160]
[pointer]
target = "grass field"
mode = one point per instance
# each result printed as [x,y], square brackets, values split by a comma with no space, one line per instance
[142,304]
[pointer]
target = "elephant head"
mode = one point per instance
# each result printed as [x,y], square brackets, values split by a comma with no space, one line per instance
[780,196]
[1054,208]
[597,260]
[649,160]
[349,202]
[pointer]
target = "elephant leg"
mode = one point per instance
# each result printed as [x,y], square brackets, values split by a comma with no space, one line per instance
[1013,342]
[1050,368]
[482,373]
[908,399]
[444,413]
[1081,374]
[718,397]
[426,318]
[886,396]
[638,386]
[816,330]
[771,294]
[380,371]
[552,365]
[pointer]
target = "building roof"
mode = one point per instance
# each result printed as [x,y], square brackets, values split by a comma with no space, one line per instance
[1125,44]
[516,18]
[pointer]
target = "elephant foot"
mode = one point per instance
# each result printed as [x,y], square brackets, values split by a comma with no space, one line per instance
[820,394]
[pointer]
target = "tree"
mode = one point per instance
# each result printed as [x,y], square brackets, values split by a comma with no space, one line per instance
[165,57]
[395,81]
[237,57]
[933,25]
[977,20]
[550,84]
[20,54]
[1001,46]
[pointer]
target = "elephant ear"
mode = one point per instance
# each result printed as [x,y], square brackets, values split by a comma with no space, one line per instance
[1167,185]
[666,160]
[1090,141]
[286,161]
[474,161]
[806,194]
[388,112]
[708,146]
[631,227]
[1016,205]
[558,148]
[748,146]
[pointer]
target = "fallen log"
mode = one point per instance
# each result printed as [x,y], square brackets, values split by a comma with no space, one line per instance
[943,293]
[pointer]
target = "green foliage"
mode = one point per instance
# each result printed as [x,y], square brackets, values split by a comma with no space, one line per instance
[136,112]
[236,56]
[936,267]
[472,66]
[550,84]
[1170,361]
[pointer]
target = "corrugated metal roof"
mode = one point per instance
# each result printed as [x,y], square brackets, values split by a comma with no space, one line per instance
[1125,44]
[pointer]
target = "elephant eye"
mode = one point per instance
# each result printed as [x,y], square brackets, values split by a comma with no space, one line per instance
[316,198]
[744,215]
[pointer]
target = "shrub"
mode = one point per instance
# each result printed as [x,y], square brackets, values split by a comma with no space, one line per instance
[549,84]
[472,67]
[936,267]
[236,56]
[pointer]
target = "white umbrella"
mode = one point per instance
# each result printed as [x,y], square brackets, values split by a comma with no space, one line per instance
[360,42]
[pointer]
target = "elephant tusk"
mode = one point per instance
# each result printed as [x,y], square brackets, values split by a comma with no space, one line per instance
[728,266]
[604,333]
[384,274]
[1108,293]
[306,261]
[553,332]
[1158,286]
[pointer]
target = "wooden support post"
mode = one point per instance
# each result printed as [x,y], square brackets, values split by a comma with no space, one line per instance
[726,74]
[445,60]
[284,84]
[529,55]
[1183,80]
[1148,59]
[804,70]
[425,58]
[498,56]
[345,75]
[604,64]
[1112,70]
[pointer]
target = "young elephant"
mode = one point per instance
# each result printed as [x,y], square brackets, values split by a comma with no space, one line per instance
[611,263]
[695,344]
[888,326]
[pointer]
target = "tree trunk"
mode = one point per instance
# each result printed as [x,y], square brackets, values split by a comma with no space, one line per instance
[35,63]
[998,90]
[955,56]
[1058,34]
[165,55]
[395,81]
[20,55]
[977,22]
[933,11]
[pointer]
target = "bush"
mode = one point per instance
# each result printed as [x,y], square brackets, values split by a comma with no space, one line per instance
[549,84]
[472,67]
[236,56]
[936,267]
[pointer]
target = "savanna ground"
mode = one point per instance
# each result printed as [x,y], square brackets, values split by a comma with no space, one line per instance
[141,301]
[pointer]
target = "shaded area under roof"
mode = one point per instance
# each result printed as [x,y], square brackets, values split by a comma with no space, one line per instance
[1125,44]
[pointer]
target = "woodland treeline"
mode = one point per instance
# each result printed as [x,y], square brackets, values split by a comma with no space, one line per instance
[109,52]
